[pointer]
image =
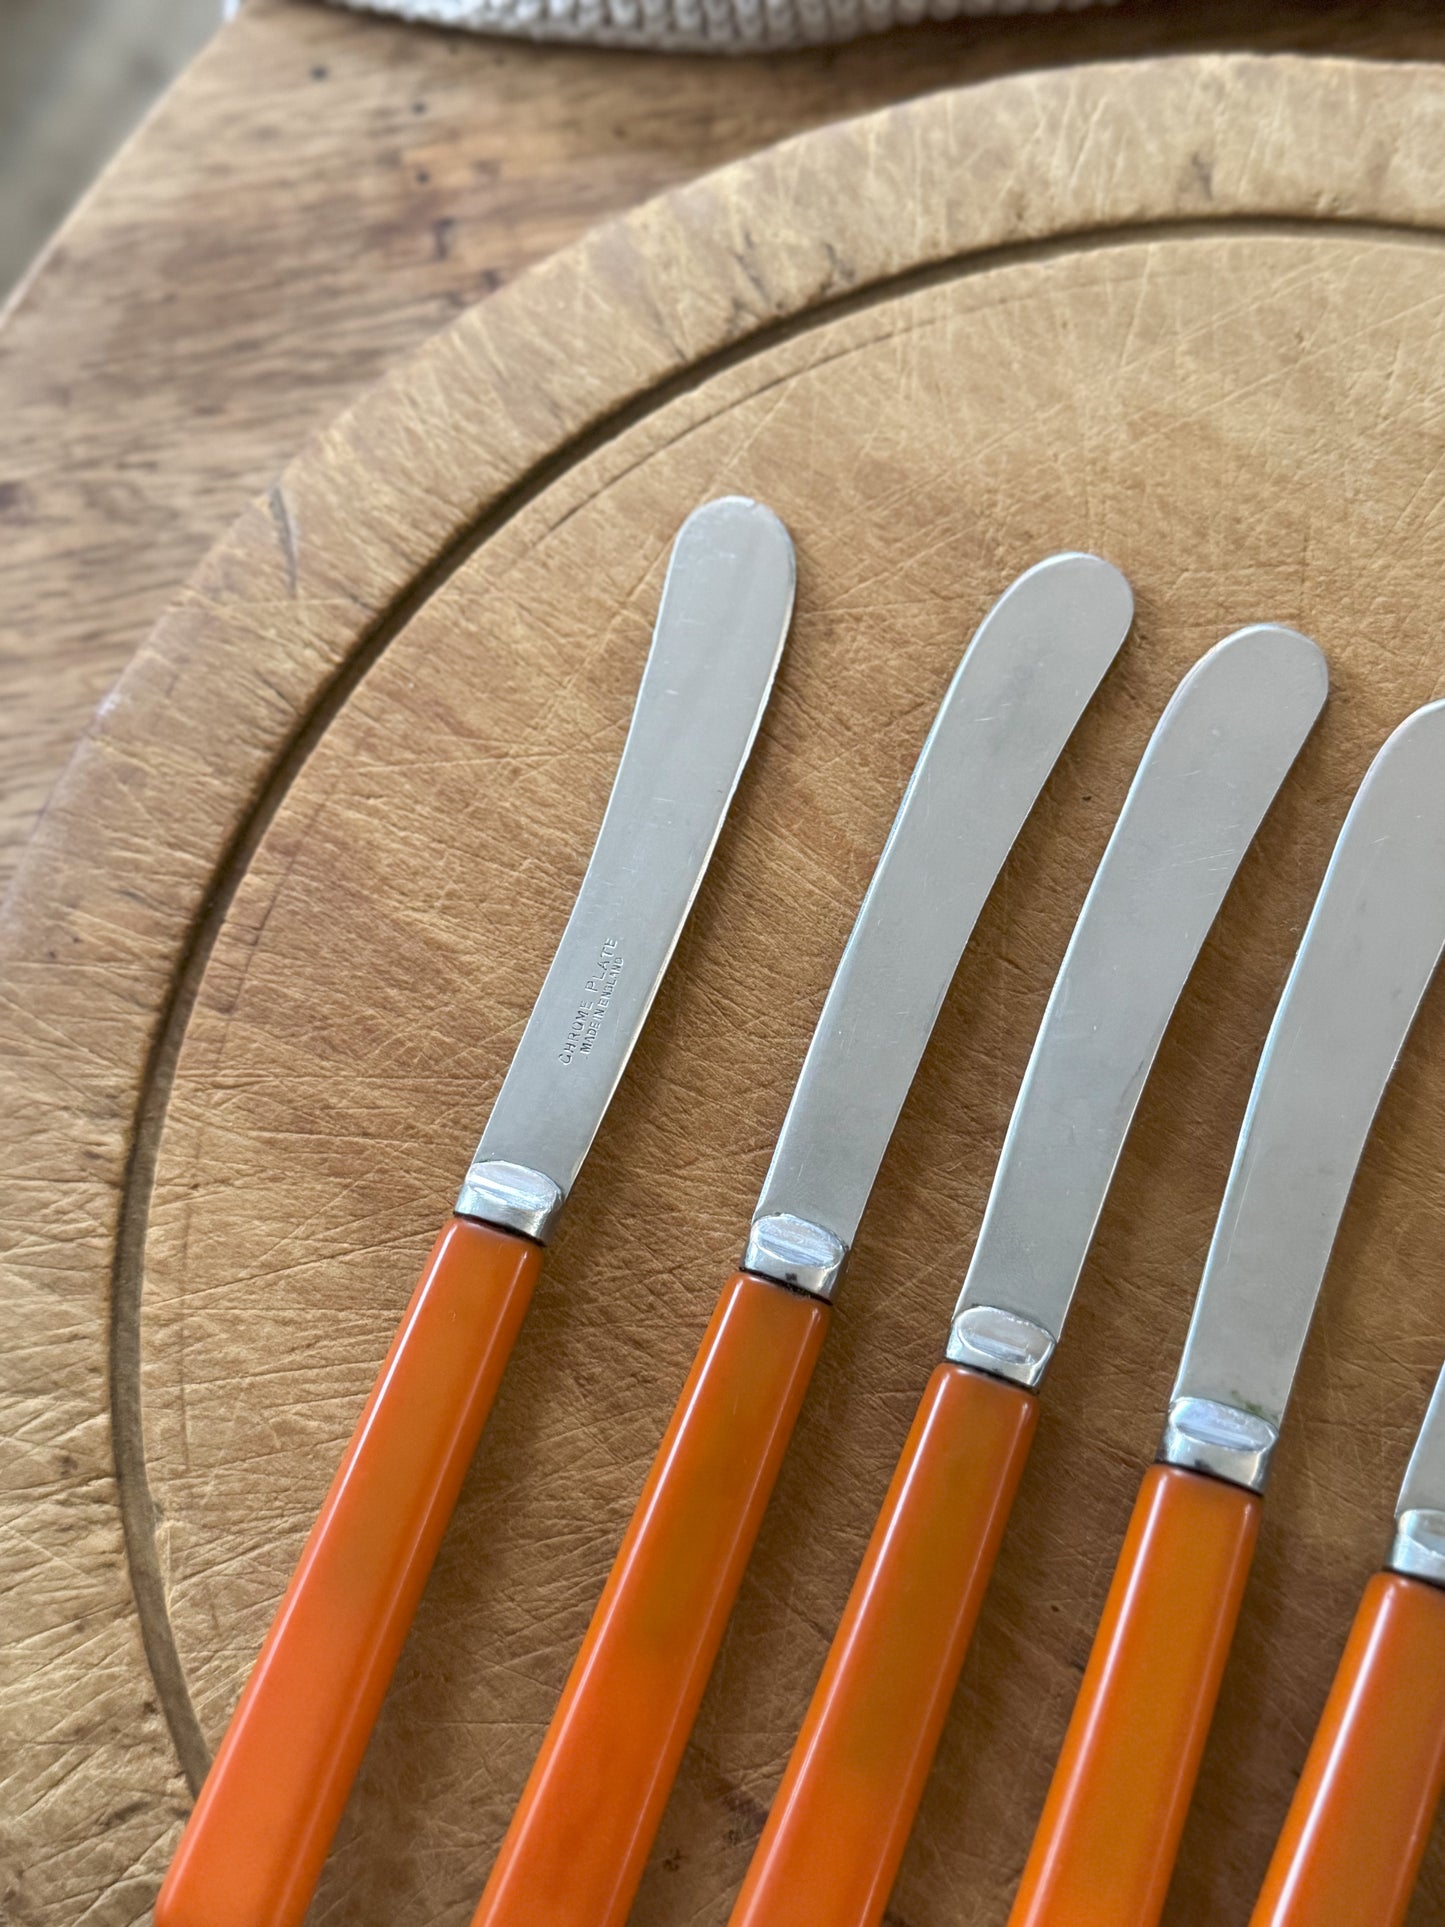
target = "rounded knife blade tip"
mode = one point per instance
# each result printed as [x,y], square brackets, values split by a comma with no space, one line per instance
[1273,662]
[1426,724]
[1105,590]
[1412,756]
[738,515]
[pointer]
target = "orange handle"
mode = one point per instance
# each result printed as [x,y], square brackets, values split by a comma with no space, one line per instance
[1361,1813]
[833,1841]
[1105,1847]
[254,1846]
[574,1852]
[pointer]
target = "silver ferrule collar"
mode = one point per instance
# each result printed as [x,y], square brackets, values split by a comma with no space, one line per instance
[791,1251]
[1002,1343]
[1418,1548]
[1203,1435]
[513,1197]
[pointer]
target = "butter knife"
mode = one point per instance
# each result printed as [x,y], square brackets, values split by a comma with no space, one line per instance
[256,1840]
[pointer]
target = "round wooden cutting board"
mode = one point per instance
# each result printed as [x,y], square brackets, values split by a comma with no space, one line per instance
[286,915]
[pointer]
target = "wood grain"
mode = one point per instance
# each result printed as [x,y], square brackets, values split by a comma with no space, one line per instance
[290,903]
[317,196]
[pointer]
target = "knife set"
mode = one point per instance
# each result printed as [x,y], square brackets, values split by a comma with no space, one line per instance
[1105,1846]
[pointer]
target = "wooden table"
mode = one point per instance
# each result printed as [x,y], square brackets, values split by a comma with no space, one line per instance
[186,966]
[321,192]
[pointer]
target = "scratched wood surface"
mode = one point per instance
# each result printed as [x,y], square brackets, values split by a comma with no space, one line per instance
[320,193]
[274,937]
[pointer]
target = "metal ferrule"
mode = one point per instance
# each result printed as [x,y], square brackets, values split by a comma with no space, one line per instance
[1418,1548]
[791,1251]
[1203,1435]
[513,1197]
[1001,1343]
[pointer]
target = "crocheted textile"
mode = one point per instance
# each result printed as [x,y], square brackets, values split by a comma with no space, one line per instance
[707,26]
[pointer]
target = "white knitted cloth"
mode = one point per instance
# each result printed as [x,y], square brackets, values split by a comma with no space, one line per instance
[698,26]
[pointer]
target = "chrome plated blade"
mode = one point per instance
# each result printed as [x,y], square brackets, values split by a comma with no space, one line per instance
[1037,658]
[1419,1547]
[1425,1474]
[720,629]
[1217,756]
[1369,950]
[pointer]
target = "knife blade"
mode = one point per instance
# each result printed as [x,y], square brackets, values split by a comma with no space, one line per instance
[576,1847]
[1008,713]
[1220,751]
[256,1840]
[1419,1543]
[1365,961]
[1111,1824]
[724,613]
[1365,1802]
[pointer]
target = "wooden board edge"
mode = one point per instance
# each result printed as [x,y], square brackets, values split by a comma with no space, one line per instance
[105,932]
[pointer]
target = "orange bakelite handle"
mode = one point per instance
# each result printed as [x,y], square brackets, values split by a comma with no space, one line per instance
[575,1850]
[1106,1844]
[256,1841]
[1362,1811]
[830,1851]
